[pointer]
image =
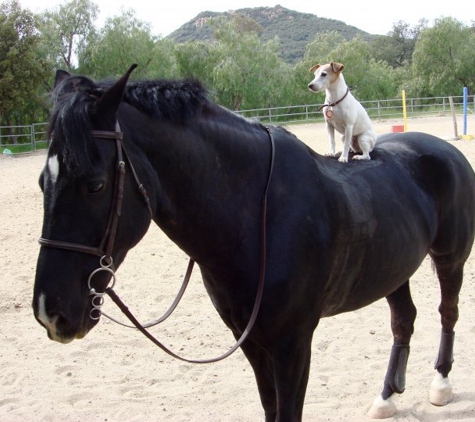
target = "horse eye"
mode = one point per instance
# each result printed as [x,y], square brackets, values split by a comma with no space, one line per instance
[94,187]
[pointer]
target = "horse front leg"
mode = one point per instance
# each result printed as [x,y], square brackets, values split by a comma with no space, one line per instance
[291,359]
[450,280]
[403,315]
[282,376]
[263,369]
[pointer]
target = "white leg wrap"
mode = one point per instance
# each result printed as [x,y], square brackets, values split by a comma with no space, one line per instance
[382,409]
[440,391]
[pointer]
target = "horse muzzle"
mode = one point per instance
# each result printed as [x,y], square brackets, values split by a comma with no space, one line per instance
[58,327]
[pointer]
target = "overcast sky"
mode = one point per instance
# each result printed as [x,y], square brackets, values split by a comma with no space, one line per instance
[373,16]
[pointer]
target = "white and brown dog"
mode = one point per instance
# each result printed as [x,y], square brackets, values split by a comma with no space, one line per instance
[343,113]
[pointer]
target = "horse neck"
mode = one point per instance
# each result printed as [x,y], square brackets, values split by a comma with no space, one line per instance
[206,172]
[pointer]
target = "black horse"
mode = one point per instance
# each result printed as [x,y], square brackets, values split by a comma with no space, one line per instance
[339,236]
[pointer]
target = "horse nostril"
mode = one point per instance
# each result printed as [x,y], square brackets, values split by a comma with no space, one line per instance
[60,329]
[55,322]
[62,322]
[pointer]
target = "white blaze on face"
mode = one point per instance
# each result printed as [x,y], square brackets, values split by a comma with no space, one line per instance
[53,167]
[48,322]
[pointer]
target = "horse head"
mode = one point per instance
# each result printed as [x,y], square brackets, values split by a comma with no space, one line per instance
[88,227]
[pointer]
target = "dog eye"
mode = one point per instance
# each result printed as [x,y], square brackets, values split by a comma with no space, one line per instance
[324,74]
[94,187]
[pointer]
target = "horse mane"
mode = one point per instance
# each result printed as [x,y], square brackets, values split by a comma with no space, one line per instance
[71,121]
[175,100]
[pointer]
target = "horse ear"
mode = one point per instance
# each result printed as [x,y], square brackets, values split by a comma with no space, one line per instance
[60,76]
[110,100]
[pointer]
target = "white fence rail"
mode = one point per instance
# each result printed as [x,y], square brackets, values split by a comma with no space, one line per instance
[378,110]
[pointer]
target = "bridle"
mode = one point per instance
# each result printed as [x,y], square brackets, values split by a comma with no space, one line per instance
[104,250]
[106,262]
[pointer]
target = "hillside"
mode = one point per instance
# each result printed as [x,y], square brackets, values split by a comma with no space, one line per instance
[294,29]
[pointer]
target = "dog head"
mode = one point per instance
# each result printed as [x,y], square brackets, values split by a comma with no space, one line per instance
[325,75]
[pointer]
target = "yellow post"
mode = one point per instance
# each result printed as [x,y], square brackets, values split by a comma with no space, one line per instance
[404,111]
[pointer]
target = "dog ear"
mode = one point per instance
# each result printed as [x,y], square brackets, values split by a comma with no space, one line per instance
[337,67]
[314,68]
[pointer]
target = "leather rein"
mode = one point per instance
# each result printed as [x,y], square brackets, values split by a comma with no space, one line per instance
[106,262]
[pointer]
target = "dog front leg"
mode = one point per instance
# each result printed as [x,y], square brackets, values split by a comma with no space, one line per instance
[331,139]
[346,144]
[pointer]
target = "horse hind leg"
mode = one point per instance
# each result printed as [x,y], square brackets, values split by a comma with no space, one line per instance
[450,279]
[441,392]
[403,315]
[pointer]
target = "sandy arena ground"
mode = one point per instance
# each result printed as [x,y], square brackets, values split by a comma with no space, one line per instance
[116,375]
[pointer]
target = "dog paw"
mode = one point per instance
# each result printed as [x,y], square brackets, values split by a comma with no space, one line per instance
[343,159]
[361,157]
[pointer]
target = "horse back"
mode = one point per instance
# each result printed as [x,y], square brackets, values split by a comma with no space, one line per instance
[361,229]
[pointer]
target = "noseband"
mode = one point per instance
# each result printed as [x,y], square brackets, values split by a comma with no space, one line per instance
[104,250]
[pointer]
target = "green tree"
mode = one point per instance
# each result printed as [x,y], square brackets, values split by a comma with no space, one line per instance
[321,49]
[443,60]
[196,59]
[165,62]
[246,72]
[21,70]
[124,40]
[66,31]
[397,48]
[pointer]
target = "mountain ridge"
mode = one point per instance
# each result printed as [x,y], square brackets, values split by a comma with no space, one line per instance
[294,29]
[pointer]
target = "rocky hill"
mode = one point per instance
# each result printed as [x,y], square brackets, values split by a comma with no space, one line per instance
[294,29]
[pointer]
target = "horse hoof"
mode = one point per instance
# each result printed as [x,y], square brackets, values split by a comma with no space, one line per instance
[440,391]
[382,409]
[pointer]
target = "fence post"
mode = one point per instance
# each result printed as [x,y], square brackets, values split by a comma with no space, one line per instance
[454,119]
[33,138]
